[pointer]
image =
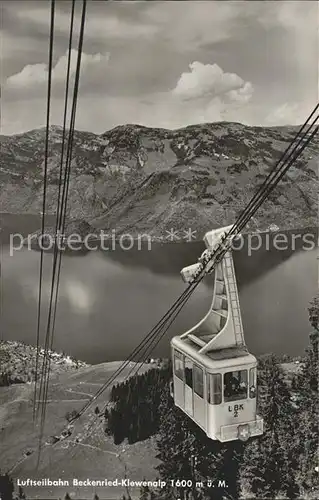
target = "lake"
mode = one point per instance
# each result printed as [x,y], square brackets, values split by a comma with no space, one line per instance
[109,300]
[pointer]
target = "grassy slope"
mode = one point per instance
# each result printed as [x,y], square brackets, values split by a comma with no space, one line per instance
[95,456]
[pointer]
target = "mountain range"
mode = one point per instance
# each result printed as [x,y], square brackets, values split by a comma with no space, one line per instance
[133,179]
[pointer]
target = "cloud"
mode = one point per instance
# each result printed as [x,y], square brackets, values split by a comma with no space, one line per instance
[204,94]
[190,25]
[172,63]
[106,25]
[35,75]
[242,94]
[31,74]
[209,80]
[289,113]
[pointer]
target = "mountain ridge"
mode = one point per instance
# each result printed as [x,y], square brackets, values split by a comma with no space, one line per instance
[54,126]
[135,179]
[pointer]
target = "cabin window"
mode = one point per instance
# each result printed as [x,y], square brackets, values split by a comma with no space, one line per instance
[224,305]
[252,382]
[189,372]
[235,385]
[179,365]
[215,389]
[198,381]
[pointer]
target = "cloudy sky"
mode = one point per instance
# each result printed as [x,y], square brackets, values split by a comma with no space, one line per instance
[163,64]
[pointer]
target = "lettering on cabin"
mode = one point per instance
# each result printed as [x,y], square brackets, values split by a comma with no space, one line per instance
[235,409]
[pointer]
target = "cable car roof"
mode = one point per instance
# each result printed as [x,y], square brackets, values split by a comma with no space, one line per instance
[214,360]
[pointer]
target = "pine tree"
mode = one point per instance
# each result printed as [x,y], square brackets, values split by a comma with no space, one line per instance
[254,465]
[21,494]
[268,462]
[144,493]
[313,311]
[308,392]
[67,497]
[292,487]
[232,460]
[135,413]
[309,375]
[187,453]
[6,487]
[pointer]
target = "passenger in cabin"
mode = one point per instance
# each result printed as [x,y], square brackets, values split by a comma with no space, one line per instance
[232,386]
[243,386]
[252,392]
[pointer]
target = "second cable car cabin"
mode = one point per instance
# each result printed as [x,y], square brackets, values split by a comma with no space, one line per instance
[214,375]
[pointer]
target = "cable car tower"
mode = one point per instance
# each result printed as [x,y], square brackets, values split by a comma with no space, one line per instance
[214,375]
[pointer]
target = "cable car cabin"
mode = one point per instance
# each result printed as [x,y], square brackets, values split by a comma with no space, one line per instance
[217,390]
[214,375]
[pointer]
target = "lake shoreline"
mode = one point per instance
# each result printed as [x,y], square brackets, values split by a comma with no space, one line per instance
[143,237]
[14,346]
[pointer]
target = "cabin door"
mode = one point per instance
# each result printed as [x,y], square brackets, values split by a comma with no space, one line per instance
[189,386]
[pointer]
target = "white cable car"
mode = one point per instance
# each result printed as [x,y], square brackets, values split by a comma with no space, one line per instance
[214,375]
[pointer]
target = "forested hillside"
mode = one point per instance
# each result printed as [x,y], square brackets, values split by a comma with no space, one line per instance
[133,413]
[280,464]
[18,362]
